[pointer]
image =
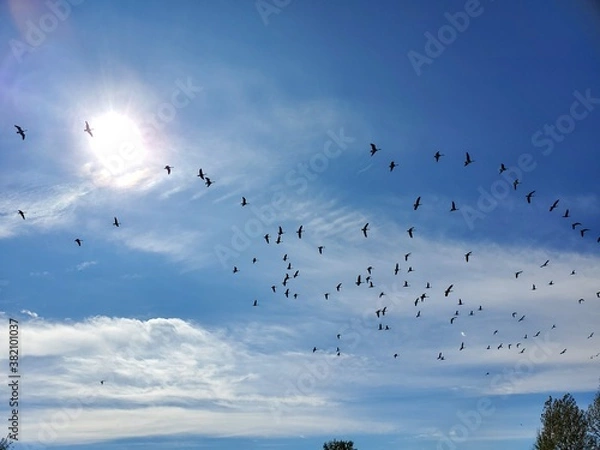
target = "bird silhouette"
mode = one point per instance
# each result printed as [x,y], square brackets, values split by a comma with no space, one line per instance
[299,232]
[320,248]
[396,269]
[502,168]
[417,203]
[448,290]
[168,169]
[21,132]
[374,149]
[87,129]
[338,287]
[266,236]
[437,156]
[554,205]
[566,214]
[528,196]
[453,207]
[392,165]
[583,231]
[468,159]
[79,241]
[575,225]
[365,229]
[516,183]
[255,303]
[545,264]
[208,181]
[200,174]
[563,352]
[406,256]
[467,256]
[116,223]
[410,231]
[518,273]
[244,202]
[22,214]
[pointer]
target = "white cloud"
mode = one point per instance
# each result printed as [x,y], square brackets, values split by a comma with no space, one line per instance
[29,313]
[84,265]
[194,374]
[43,274]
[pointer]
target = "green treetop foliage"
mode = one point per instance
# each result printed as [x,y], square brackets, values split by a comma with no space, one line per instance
[592,416]
[564,426]
[339,445]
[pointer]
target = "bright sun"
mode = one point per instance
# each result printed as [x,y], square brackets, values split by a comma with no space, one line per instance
[117,143]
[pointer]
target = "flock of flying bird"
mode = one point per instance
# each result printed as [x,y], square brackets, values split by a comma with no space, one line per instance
[366,279]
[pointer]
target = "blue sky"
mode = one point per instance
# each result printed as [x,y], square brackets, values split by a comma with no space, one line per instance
[279,104]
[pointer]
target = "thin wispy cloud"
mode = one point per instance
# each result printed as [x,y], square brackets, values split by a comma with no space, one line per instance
[85,265]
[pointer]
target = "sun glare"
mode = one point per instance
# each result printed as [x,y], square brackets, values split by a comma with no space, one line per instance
[117,143]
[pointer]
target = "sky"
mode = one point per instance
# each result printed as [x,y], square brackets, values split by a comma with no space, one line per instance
[146,334]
